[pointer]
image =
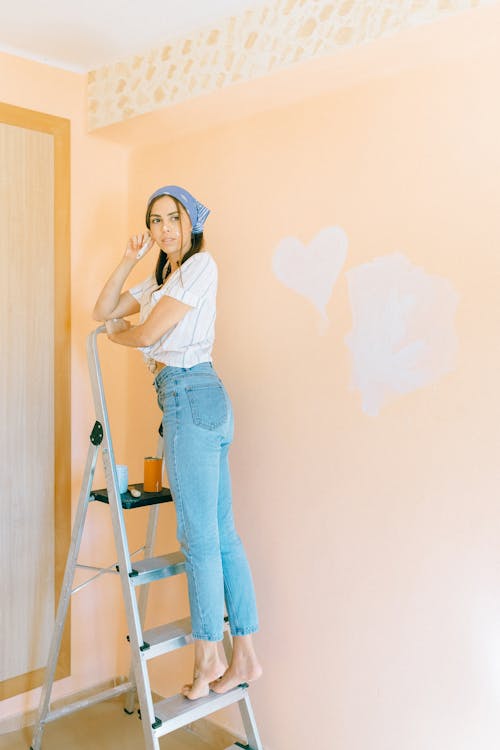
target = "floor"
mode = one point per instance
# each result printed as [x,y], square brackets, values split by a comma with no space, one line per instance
[104,726]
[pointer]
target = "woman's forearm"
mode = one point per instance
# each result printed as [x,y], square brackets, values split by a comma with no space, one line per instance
[165,314]
[111,291]
[132,336]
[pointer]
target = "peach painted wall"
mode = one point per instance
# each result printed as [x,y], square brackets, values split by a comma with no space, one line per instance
[374,540]
[98,214]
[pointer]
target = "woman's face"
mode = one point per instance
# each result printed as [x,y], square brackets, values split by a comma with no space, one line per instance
[170,226]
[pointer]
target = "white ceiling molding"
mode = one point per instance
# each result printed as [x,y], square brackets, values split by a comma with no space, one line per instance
[84,36]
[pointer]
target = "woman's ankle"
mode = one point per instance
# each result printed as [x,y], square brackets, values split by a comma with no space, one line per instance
[206,655]
[243,649]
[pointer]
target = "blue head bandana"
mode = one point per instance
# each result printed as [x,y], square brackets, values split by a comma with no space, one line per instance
[197,212]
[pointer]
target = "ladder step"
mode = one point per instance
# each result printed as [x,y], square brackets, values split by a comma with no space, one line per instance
[169,637]
[156,568]
[177,711]
[128,501]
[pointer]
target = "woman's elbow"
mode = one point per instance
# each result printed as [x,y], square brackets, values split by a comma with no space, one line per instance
[145,336]
[143,340]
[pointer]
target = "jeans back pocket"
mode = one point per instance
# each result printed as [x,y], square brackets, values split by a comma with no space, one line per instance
[208,405]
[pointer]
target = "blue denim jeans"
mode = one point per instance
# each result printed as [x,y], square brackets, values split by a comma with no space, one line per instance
[198,429]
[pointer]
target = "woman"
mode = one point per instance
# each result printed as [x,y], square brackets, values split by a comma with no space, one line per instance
[176,334]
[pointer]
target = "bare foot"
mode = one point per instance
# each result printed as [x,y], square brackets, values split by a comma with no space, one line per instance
[239,672]
[203,675]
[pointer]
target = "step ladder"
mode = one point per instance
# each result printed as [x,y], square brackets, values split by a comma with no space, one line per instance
[169,714]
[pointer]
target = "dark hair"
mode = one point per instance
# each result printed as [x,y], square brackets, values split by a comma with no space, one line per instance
[196,244]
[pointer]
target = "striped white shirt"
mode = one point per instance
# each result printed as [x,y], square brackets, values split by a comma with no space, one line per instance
[190,341]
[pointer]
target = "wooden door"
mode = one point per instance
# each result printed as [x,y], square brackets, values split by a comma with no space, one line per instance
[35,499]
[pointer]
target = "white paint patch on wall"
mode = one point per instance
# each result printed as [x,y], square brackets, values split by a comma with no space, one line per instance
[403,335]
[312,270]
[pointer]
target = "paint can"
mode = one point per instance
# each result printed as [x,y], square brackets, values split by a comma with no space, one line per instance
[152,473]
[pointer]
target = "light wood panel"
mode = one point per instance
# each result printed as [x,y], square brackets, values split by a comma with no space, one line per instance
[35,501]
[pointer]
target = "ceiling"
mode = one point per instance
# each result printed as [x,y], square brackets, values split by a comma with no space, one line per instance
[83,36]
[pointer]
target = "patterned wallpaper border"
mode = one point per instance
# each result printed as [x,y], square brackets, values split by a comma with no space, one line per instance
[249,46]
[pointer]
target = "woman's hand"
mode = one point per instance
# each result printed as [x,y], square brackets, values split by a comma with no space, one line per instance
[116,325]
[138,245]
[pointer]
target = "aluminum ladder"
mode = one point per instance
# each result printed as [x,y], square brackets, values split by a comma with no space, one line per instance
[167,715]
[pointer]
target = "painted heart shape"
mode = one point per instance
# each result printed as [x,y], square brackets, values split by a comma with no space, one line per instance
[312,270]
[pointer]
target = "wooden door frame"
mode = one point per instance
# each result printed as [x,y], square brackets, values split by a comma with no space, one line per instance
[60,129]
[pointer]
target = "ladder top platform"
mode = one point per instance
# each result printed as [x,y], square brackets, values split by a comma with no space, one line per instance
[129,501]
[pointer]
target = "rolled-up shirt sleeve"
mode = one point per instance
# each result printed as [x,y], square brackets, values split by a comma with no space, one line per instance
[191,283]
[139,290]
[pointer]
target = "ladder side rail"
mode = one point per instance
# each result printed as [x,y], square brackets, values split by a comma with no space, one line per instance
[245,706]
[148,552]
[143,598]
[120,535]
[65,595]
[114,497]
[250,724]
[144,591]
[101,411]
[150,543]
